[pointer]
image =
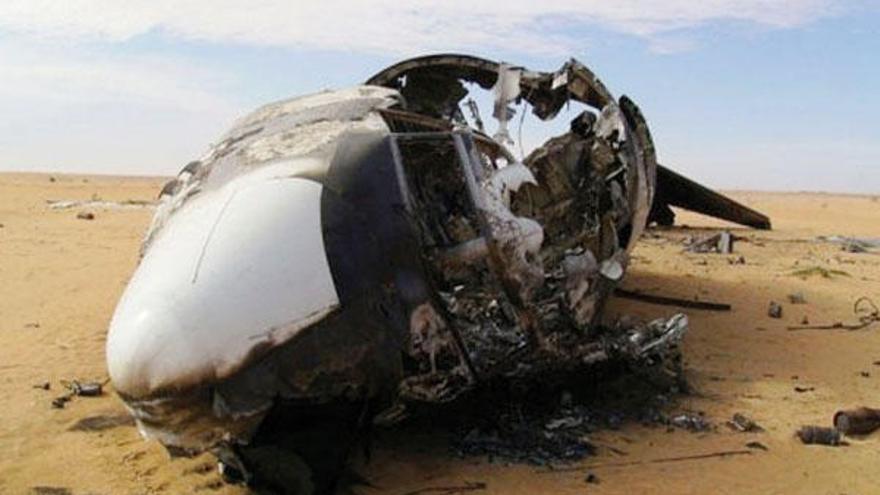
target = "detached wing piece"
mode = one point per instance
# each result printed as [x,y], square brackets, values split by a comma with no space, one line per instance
[674,189]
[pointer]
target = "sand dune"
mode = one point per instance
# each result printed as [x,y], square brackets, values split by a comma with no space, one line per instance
[61,277]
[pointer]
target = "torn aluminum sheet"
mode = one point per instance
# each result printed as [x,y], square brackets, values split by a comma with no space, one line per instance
[341,256]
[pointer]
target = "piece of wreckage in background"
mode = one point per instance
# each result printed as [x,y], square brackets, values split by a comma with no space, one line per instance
[338,256]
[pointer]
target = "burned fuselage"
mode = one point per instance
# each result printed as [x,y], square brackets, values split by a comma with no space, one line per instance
[371,248]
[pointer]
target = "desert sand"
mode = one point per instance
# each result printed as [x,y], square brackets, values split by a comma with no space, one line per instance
[61,277]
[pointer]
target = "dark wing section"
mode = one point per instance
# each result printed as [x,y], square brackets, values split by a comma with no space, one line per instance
[676,190]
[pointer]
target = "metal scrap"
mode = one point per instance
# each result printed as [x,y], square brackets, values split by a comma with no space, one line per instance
[859,421]
[774,310]
[820,435]
[721,243]
[865,310]
[744,424]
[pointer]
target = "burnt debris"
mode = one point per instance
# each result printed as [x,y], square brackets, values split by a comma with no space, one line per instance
[428,262]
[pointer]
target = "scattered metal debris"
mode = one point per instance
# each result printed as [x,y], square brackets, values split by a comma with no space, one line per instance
[774,310]
[85,215]
[744,424]
[864,308]
[860,421]
[721,243]
[819,435]
[671,301]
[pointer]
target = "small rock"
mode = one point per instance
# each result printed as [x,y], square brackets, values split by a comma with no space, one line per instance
[801,390]
[51,179]
[775,310]
[32,325]
[805,320]
[739,260]
[757,445]
[592,478]
[865,374]
[59,402]
[43,386]
[85,215]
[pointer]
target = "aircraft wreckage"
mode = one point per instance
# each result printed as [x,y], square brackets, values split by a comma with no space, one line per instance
[339,256]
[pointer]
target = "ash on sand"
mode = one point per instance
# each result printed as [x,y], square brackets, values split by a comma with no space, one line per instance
[549,421]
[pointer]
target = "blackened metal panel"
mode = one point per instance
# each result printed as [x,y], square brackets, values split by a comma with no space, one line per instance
[373,251]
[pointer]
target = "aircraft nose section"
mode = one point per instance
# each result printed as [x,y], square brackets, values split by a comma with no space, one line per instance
[234,272]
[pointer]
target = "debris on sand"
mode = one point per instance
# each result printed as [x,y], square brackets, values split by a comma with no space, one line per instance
[61,401]
[43,386]
[813,271]
[691,422]
[721,243]
[77,388]
[670,301]
[801,390]
[819,435]
[859,421]
[526,440]
[50,490]
[128,204]
[853,244]
[864,308]
[775,310]
[797,298]
[85,389]
[757,445]
[469,486]
[85,215]
[741,422]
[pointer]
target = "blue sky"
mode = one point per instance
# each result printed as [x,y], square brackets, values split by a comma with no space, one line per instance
[747,94]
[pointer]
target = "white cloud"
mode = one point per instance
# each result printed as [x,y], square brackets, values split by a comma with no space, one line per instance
[381,26]
[65,109]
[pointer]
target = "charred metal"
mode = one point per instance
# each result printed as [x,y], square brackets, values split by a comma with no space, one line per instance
[449,262]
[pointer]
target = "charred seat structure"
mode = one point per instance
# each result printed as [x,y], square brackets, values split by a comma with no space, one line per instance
[339,256]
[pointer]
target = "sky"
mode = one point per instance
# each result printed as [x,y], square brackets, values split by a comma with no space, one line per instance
[739,94]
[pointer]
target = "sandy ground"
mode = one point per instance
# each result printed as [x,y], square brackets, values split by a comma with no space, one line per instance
[61,277]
